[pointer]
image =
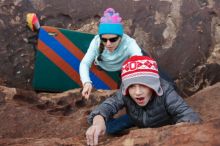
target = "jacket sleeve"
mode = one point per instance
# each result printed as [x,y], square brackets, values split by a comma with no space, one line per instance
[87,61]
[108,108]
[178,109]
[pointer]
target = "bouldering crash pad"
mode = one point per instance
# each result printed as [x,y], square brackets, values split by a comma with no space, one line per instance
[58,55]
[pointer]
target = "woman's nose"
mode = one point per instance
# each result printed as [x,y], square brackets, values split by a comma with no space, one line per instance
[108,42]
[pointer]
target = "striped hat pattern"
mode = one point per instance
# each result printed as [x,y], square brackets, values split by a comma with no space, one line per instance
[141,70]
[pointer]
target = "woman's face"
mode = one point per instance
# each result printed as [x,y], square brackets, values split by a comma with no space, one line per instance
[110,41]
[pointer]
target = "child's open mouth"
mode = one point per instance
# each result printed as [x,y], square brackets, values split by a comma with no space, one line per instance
[140,100]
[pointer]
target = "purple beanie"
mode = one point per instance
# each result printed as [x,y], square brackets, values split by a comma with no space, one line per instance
[110,23]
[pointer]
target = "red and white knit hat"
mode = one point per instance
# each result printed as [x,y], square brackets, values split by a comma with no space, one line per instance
[140,70]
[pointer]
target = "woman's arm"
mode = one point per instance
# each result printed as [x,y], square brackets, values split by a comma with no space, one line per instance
[87,61]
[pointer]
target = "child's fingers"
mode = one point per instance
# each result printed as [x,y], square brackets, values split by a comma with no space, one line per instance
[90,135]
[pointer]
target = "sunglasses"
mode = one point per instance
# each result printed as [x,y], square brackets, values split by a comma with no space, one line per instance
[112,40]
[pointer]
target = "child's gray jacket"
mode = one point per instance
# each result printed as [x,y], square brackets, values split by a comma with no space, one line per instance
[169,108]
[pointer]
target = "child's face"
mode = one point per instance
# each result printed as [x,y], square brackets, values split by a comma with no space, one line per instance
[140,94]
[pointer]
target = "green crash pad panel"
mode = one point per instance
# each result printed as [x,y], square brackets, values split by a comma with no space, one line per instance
[59,52]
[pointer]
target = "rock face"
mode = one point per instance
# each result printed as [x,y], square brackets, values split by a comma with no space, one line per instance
[35,119]
[203,102]
[183,35]
[44,118]
[184,135]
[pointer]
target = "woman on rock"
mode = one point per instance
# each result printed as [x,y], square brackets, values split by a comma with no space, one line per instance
[108,50]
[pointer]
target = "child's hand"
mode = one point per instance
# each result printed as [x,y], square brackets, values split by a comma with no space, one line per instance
[87,88]
[98,128]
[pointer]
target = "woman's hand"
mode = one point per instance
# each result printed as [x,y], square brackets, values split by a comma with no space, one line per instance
[87,88]
[93,132]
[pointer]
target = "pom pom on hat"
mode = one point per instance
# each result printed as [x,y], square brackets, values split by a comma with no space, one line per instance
[110,23]
[110,16]
[140,70]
